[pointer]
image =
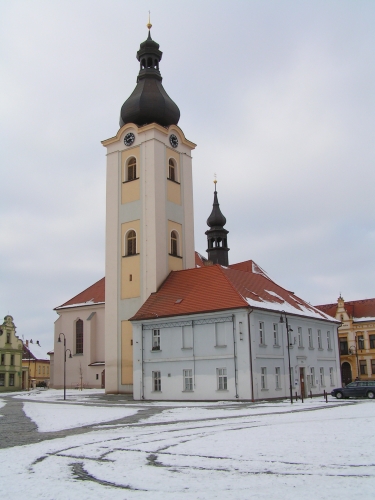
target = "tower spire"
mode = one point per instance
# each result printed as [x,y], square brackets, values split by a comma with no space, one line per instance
[217,248]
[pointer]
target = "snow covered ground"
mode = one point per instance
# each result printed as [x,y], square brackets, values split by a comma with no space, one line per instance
[309,450]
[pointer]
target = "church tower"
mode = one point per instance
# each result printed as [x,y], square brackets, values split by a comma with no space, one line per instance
[149,209]
[217,246]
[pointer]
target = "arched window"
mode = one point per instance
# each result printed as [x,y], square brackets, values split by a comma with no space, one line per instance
[172,170]
[143,64]
[149,62]
[132,169]
[131,243]
[79,336]
[174,243]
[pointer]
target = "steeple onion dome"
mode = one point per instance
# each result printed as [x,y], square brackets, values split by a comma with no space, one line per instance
[149,102]
[217,236]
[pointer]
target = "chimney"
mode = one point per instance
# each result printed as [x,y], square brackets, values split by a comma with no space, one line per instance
[27,343]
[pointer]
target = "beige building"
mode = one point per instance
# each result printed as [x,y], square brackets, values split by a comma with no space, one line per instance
[36,361]
[356,337]
[79,333]
[12,378]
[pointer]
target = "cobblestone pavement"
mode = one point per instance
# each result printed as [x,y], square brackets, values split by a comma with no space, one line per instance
[17,429]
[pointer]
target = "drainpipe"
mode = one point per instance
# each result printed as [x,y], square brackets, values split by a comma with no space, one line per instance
[235,356]
[142,371]
[251,359]
[192,332]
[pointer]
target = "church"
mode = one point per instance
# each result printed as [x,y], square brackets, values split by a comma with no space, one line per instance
[168,323]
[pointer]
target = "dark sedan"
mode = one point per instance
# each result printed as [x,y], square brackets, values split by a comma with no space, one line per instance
[357,389]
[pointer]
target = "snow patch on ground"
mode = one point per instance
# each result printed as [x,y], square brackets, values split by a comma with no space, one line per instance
[57,417]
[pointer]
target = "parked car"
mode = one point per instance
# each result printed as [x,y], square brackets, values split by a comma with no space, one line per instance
[357,389]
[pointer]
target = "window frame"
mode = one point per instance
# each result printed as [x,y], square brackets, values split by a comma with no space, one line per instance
[300,337]
[155,340]
[263,378]
[156,381]
[172,170]
[277,377]
[311,340]
[372,366]
[130,243]
[371,339]
[331,377]
[222,379]
[174,243]
[276,335]
[2,379]
[329,340]
[312,376]
[363,367]
[187,376]
[12,380]
[262,335]
[79,336]
[320,345]
[131,169]
[321,374]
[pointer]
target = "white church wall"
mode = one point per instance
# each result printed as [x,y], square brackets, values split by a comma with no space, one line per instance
[93,347]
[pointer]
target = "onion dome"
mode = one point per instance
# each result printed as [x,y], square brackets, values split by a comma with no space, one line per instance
[217,236]
[149,102]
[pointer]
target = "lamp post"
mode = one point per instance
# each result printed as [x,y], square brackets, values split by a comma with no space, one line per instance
[288,329]
[353,349]
[70,355]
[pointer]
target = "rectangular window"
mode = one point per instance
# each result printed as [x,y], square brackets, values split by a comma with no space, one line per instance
[343,347]
[275,334]
[312,373]
[220,334]
[156,381]
[156,341]
[263,377]
[372,341]
[187,337]
[188,380]
[331,377]
[261,333]
[44,369]
[2,379]
[12,359]
[3,359]
[79,336]
[361,342]
[300,339]
[97,376]
[321,370]
[222,380]
[363,367]
[329,345]
[277,377]
[8,338]
[373,366]
[319,339]
[11,379]
[311,343]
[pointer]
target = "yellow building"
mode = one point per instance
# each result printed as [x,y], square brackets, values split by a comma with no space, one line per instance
[356,337]
[36,361]
[11,376]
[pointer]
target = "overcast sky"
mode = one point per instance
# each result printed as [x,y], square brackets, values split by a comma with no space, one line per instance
[277,95]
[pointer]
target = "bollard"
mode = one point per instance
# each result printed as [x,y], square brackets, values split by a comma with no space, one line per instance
[310,394]
[296,397]
[301,397]
[326,396]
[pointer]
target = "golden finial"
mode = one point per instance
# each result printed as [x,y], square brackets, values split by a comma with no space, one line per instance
[149,25]
[215,180]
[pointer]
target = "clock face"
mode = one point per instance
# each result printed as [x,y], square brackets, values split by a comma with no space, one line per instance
[173,140]
[129,139]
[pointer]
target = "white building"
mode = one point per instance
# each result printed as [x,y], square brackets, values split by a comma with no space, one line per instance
[214,333]
[81,325]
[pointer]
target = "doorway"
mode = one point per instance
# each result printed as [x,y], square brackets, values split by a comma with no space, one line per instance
[346,373]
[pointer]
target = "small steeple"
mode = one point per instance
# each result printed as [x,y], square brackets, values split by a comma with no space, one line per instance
[217,248]
[149,102]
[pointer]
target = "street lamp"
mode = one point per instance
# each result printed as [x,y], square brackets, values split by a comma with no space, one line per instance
[288,329]
[70,355]
[353,349]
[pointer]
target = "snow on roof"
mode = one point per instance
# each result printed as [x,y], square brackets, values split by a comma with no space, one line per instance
[358,309]
[94,294]
[34,351]
[216,288]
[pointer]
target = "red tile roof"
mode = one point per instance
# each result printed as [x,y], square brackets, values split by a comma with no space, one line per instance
[94,294]
[200,260]
[218,288]
[355,308]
